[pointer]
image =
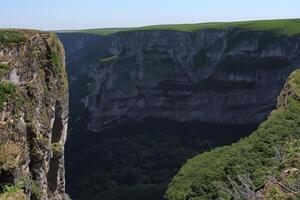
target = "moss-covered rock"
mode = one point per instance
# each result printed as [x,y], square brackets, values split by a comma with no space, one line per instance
[6,89]
[17,195]
[33,114]
[10,153]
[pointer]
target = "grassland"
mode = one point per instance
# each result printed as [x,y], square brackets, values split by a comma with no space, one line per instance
[287,27]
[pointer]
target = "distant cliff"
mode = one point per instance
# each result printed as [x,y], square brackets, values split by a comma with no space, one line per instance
[221,76]
[33,115]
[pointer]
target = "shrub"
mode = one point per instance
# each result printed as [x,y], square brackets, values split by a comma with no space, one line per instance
[36,191]
[56,61]
[11,36]
[9,155]
[6,89]
[4,66]
[15,192]
[17,195]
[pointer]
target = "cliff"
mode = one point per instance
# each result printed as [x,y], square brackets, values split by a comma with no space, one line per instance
[33,115]
[223,76]
[167,94]
[263,166]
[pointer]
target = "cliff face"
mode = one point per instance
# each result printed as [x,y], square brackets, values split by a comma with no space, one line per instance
[227,76]
[33,115]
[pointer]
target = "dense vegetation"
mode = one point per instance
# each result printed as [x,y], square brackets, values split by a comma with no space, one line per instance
[11,36]
[137,160]
[6,89]
[288,27]
[214,174]
[4,68]
[15,192]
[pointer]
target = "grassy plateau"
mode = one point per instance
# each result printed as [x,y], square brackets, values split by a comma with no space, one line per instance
[287,27]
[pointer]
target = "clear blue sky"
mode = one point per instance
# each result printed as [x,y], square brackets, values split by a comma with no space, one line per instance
[80,14]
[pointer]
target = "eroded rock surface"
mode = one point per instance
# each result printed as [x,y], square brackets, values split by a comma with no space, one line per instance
[229,76]
[33,115]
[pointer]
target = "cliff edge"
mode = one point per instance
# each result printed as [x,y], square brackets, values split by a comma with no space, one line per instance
[33,115]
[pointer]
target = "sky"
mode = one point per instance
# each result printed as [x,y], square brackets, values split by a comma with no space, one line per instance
[85,14]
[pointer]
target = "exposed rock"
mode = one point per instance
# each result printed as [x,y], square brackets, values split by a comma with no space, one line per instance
[34,114]
[227,76]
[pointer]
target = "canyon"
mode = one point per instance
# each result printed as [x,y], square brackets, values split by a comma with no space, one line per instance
[206,76]
[151,99]
[144,103]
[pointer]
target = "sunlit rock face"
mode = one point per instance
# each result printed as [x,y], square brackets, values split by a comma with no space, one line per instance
[33,115]
[227,76]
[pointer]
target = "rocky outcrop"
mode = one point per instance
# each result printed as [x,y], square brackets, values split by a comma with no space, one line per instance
[227,76]
[33,115]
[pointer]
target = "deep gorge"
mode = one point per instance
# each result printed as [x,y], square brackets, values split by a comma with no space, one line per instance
[150,112]
[154,99]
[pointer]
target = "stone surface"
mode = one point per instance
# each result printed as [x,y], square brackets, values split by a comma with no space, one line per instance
[34,115]
[227,76]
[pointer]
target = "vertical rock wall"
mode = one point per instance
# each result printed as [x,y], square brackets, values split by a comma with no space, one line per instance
[34,115]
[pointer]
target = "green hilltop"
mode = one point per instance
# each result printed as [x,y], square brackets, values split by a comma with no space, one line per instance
[287,27]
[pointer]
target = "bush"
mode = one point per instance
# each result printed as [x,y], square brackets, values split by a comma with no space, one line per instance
[11,36]
[56,61]
[36,192]
[6,89]
[15,192]
[9,155]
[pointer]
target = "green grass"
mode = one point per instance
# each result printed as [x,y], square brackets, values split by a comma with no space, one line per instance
[56,61]
[11,36]
[287,27]
[17,195]
[109,59]
[4,68]
[5,90]
[104,31]
[36,191]
[15,192]
[9,155]
[203,177]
